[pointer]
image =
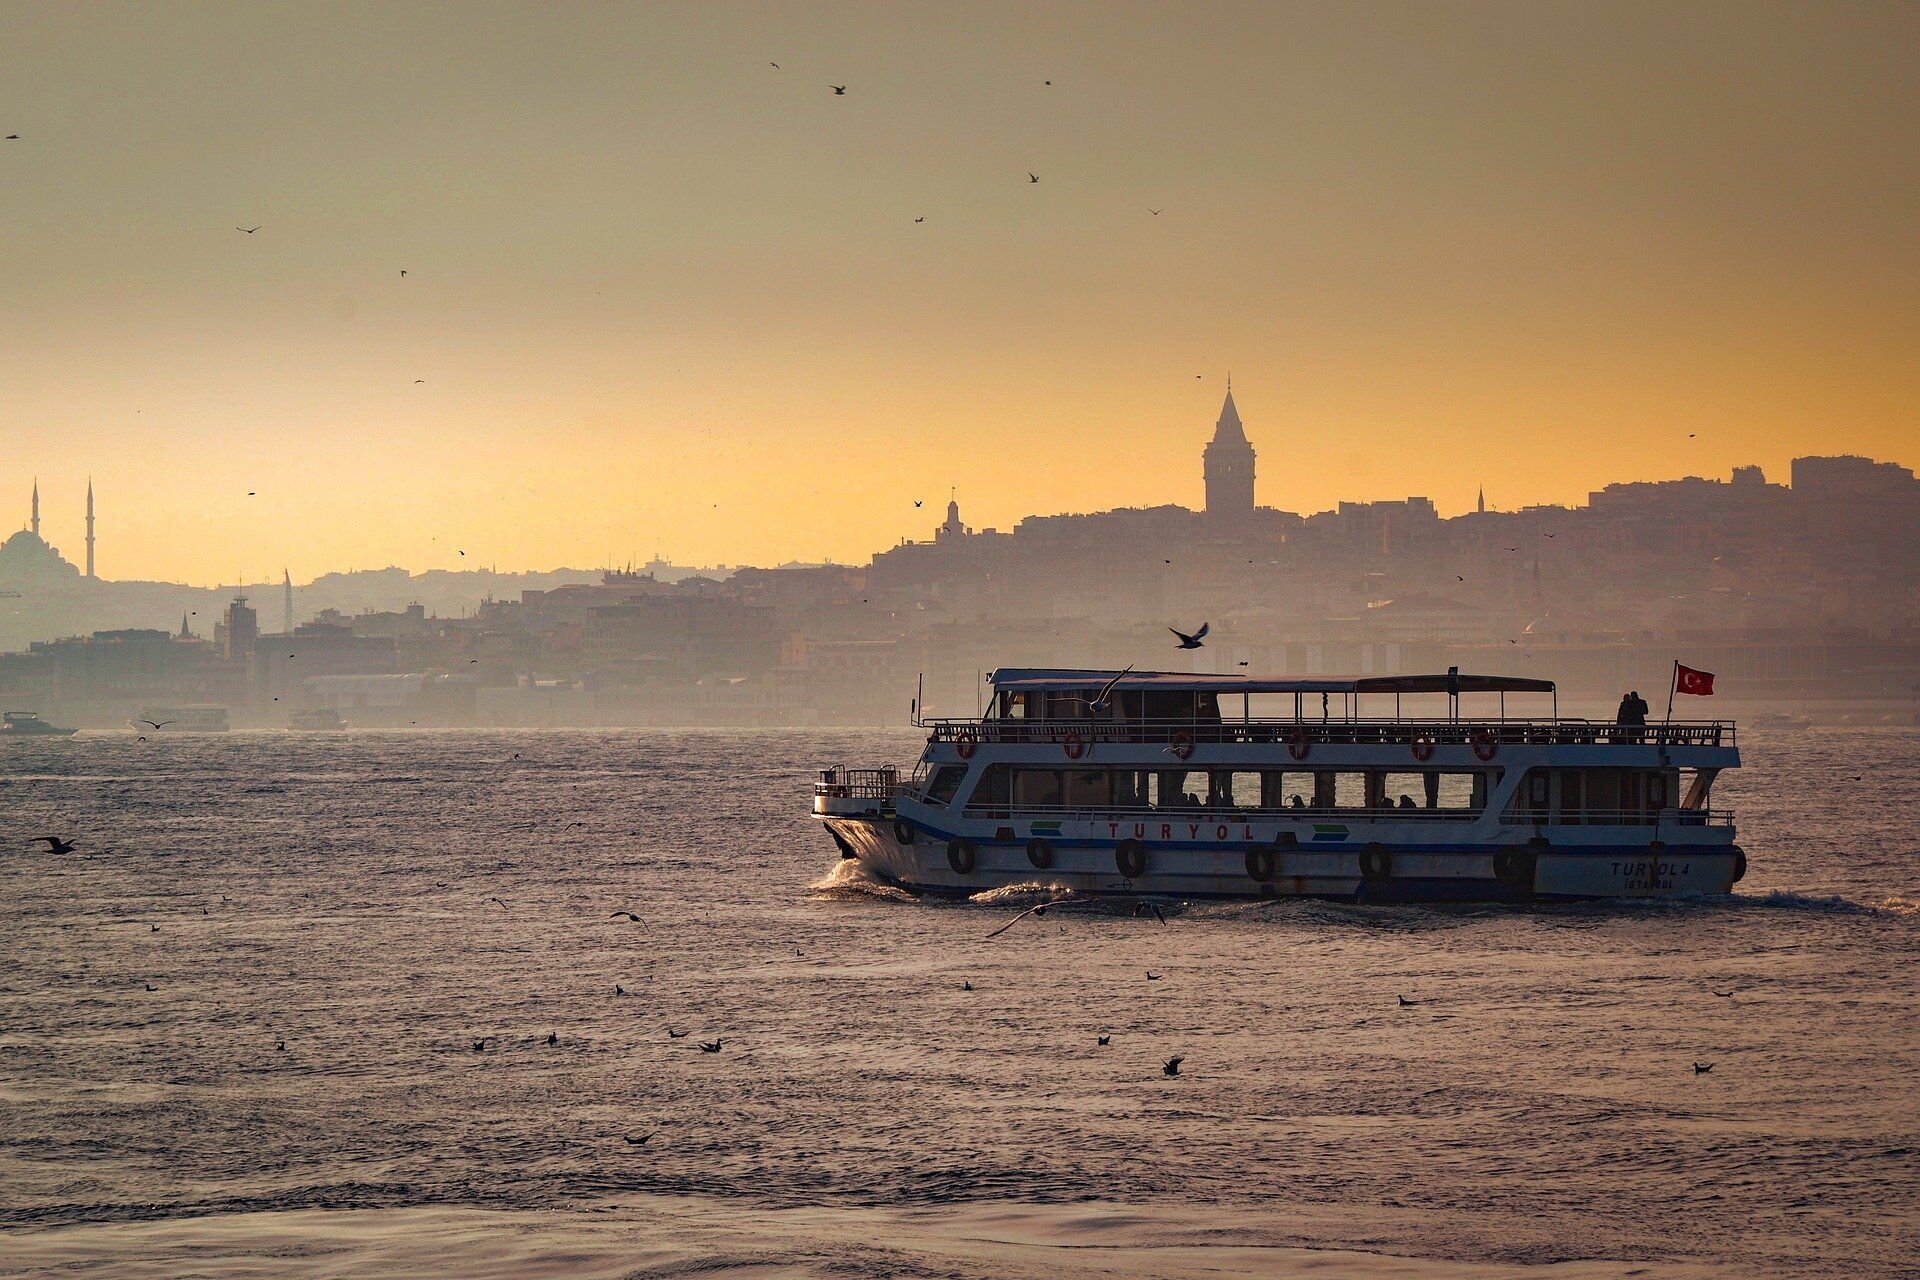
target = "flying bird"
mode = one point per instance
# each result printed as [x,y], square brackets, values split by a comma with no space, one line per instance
[919,219]
[54,844]
[503,906]
[1190,641]
[628,914]
[403,273]
[1701,1068]
[1106,1039]
[1103,699]
[710,1046]
[1154,212]
[1173,1066]
[918,502]
[839,90]
[247,230]
[1033,177]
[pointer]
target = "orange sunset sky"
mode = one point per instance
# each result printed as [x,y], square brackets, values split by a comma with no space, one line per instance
[665,296]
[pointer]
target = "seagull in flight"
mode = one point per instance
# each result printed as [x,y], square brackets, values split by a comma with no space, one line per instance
[54,844]
[1154,212]
[1107,1039]
[839,90]
[1190,641]
[1173,1065]
[628,914]
[1104,699]
[156,725]
[247,230]
[1033,177]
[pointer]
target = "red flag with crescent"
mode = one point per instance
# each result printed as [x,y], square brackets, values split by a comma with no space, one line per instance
[1687,680]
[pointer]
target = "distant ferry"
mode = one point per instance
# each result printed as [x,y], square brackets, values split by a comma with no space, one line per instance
[1236,786]
[199,719]
[28,724]
[325,718]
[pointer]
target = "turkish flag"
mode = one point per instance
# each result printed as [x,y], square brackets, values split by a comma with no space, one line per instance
[1687,680]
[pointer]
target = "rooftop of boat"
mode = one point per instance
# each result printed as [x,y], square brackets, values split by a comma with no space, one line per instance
[1048,679]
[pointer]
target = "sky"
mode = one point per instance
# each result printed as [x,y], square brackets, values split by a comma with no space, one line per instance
[663,296]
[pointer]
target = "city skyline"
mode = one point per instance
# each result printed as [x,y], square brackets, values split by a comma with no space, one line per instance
[923,512]
[671,297]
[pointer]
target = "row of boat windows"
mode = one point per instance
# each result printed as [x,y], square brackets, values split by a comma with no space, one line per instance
[1004,786]
[1544,795]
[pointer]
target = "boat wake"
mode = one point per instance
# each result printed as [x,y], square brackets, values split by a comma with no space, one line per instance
[850,881]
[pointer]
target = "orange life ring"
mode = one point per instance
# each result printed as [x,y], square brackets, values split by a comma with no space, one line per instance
[1485,745]
[1297,744]
[966,743]
[1423,746]
[1073,746]
[1182,745]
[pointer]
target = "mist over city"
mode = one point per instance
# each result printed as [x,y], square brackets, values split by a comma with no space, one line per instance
[1802,590]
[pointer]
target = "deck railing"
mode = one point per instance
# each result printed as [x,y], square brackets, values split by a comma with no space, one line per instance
[858,784]
[1231,814]
[1365,732]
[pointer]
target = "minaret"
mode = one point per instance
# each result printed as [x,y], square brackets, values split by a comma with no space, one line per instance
[286,614]
[1483,500]
[89,526]
[35,525]
[1228,467]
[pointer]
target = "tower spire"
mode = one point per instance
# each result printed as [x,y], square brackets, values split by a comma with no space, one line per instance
[34,524]
[89,526]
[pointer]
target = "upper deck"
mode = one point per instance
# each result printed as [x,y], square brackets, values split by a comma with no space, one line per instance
[1047,704]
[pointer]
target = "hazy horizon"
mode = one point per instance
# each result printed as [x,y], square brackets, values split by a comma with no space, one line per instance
[665,297]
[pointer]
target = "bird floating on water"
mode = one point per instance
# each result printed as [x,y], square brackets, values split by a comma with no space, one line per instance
[1105,1039]
[1700,1068]
[710,1046]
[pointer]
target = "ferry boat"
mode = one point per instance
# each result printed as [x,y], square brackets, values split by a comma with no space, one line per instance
[1161,783]
[28,724]
[323,719]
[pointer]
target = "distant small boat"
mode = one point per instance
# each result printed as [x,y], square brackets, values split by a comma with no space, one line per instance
[325,718]
[1783,721]
[28,724]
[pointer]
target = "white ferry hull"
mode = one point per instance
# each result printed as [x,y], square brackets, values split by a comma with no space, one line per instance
[1352,871]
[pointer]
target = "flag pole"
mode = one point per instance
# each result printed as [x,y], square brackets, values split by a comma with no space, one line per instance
[1672,684]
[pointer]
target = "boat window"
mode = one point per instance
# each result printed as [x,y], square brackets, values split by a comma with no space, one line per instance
[1235,790]
[1179,789]
[1130,788]
[1280,790]
[946,781]
[1162,704]
[1086,788]
[1207,708]
[1349,790]
[1036,787]
[1404,790]
[1016,705]
[994,790]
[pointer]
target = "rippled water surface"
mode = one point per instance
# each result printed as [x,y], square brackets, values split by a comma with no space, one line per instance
[379,902]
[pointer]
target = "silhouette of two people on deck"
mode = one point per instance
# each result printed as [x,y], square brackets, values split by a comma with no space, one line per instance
[1633,710]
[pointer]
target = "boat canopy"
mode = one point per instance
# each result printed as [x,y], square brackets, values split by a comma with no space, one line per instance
[1063,679]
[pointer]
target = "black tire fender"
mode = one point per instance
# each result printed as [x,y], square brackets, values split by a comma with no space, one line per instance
[1130,857]
[960,856]
[1039,853]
